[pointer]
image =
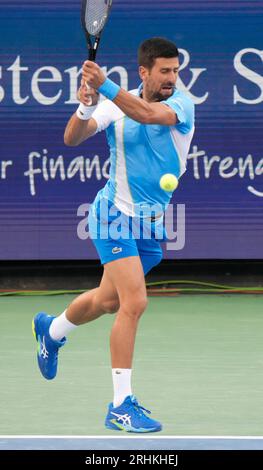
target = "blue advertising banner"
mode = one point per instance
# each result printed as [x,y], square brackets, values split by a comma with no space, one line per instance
[46,187]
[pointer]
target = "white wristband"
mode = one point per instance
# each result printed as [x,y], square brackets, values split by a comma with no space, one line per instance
[85,112]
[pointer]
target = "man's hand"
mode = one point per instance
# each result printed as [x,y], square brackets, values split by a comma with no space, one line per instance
[87,95]
[92,74]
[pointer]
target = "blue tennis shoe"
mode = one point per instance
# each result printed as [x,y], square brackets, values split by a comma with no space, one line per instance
[47,350]
[131,417]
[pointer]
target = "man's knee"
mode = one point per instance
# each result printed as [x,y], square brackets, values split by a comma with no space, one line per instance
[135,307]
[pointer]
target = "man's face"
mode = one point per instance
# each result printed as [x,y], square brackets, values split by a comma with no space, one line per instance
[159,81]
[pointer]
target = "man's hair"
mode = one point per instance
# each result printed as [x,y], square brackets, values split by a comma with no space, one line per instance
[153,48]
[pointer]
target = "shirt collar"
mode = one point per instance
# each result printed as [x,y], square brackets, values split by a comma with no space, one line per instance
[139,91]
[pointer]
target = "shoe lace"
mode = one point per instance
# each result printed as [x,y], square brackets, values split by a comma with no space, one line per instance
[43,351]
[138,407]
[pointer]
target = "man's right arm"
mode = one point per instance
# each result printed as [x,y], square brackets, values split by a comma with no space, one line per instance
[78,130]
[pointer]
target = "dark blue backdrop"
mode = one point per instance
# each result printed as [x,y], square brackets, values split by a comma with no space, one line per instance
[43,183]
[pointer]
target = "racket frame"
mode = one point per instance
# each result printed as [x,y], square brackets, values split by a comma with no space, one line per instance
[92,45]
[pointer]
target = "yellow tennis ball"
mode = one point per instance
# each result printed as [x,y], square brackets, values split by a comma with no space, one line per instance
[168,182]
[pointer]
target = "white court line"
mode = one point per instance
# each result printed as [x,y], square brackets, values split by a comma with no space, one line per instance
[126,437]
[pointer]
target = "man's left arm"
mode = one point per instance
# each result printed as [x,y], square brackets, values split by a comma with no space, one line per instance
[132,106]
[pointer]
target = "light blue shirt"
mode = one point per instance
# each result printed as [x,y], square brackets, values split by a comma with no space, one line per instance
[140,154]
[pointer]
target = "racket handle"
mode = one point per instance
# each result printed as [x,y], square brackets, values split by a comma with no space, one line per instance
[89,99]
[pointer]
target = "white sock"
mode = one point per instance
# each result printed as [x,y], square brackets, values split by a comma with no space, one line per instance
[121,385]
[60,327]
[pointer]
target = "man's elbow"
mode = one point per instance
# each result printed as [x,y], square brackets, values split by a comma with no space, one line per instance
[69,141]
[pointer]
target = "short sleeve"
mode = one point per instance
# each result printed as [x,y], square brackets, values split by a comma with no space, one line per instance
[106,113]
[184,109]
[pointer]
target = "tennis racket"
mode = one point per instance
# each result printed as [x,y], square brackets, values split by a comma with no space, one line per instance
[94,16]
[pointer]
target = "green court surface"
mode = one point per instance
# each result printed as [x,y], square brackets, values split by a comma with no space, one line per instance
[198,366]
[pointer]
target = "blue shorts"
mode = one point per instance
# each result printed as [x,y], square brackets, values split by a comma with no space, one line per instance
[117,235]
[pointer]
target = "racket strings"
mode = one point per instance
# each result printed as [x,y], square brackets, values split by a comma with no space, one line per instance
[96,15]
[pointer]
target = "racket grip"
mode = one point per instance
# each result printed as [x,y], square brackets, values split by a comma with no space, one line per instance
[89,99]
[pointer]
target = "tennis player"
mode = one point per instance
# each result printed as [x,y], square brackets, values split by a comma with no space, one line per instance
[149,131]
